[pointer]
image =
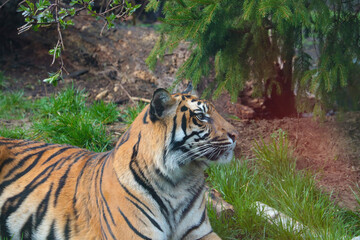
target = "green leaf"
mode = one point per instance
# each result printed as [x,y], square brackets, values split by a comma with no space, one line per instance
[53,78]
[219,89]
[22,8]
[31,5]
[70,22]
[110,19]
[343,75]
[72,11]
[128,5]
[36,27]
[56,51]
[62,11]
[74,2]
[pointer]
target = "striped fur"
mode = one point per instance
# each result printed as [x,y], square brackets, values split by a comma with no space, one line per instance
[150,186]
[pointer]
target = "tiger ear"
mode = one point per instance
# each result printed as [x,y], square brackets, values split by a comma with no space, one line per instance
[161,103]
[188,89]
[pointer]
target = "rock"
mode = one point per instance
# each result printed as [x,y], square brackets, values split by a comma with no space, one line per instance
[220,206]
[145,76]
[110,97]
[101,95]
[276,217]
[77,73]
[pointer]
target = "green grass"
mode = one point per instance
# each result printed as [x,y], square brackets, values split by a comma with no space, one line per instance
[13,105]
[3,82]
[65,118]
[131,112]
[271,178]
[15,133]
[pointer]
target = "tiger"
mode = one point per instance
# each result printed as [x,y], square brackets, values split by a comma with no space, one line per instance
[151,185]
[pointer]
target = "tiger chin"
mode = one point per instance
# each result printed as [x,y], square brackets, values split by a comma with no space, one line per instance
[150,186]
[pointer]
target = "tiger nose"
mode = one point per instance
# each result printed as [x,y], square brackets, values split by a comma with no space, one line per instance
[233,135]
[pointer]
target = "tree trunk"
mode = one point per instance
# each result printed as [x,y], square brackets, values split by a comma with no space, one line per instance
[281,102]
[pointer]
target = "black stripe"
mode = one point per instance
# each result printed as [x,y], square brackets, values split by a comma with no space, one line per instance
[183,108]
[192,113]
[67,230]
[197,193]
[78,181]
[103,233]
[26,230]
[146,215]
[108,226]
[51,235]
[14,202]
[124,138]
[69,158]
[174,129]
[202,219]
[132,227]
[145,116]
[5,234]
[143,181]
[97,199]
[203,108]
[44,145]
[128,192]
[4,184]
[58,152]
[21,143]
[42,208]
[102,208]
[195,121]
[101,192]
[5,162]
[164,177]
[176,145]
[60,185]
[22,162]
[183,123]
[63,178]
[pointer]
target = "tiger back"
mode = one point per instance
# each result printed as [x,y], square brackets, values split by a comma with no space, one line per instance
[150,186]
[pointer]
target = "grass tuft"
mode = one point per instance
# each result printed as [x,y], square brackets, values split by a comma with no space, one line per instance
[3,83]
[271,178]
[131,112]
[13,105]
[64,118]
[104,112]
[15,133]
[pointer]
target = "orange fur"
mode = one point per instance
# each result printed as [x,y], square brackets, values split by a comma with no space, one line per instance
[147,187]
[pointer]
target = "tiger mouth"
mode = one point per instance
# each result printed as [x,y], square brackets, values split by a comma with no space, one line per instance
[219,152]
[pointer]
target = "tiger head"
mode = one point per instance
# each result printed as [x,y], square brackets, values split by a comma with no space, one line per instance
[195,132]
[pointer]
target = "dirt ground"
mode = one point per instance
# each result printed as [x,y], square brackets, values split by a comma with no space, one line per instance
[112,68]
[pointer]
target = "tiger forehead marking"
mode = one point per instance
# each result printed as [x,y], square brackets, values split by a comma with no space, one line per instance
[194,105]
[150,186]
